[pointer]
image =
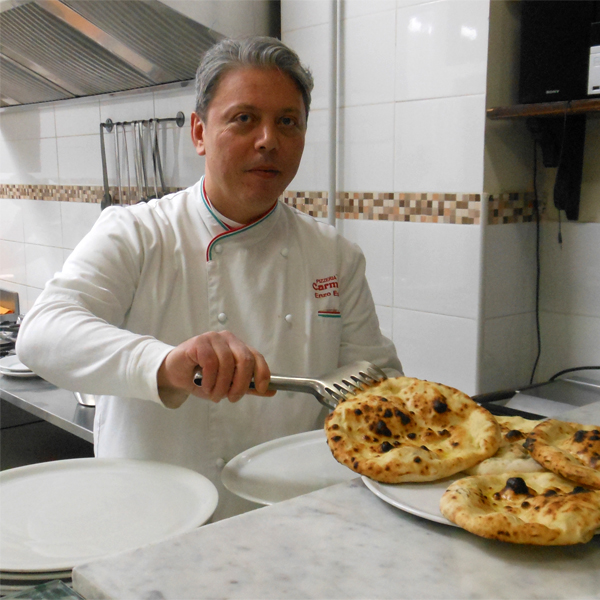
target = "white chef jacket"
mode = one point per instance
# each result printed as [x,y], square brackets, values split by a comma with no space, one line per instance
[150,276]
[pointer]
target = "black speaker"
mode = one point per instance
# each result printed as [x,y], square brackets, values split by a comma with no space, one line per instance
[555,49]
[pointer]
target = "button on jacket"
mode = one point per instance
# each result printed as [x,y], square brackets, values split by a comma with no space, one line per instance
[151,276]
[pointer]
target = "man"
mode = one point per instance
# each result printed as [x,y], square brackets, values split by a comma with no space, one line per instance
[220,276]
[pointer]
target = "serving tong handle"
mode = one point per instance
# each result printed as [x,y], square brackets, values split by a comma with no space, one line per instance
[329,389]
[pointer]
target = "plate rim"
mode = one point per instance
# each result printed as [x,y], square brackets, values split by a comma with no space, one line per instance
[243,458]
[5,360]
[60,465]
[374,487]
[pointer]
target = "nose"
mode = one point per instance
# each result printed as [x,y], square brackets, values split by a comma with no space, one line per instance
[266,139]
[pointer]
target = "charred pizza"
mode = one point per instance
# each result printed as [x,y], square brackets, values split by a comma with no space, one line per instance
[407,429]
[568,449]
[532,508]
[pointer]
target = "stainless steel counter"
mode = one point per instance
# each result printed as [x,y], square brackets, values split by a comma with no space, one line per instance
[44,400]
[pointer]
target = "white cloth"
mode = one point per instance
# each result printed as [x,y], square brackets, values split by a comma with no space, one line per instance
[151,276]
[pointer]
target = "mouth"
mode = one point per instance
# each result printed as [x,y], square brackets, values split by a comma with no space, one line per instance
[265,172]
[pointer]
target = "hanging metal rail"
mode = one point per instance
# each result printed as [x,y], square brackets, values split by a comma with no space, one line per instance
[143,182]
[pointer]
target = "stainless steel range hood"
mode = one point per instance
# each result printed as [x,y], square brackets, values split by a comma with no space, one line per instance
[58,49]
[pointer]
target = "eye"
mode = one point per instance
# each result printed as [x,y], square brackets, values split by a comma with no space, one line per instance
[288,122]
[243,118]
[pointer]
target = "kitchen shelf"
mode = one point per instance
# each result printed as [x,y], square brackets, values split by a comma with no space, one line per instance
[545,109]
[559,128]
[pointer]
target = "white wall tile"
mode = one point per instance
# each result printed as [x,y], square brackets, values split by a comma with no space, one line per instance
[77,219]
[439,145]
[367,49]
[366,153]
[298,14]
[360,8]
[31,296]
[42,263]
[509,351]
[571,275]
[385,314]
[567,341]
[313,46]
[168,103]
[437,348]
[313,174]
[436,268]
[81,118]
[11,220]
[441,49]
[376,240]
[42,222]
[80,160]
[29,161]
[181,164]
[27,123]
[12,262]
[127,108]
[509,271]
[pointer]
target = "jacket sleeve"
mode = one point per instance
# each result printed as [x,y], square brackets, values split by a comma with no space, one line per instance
[361,335]
[72,336]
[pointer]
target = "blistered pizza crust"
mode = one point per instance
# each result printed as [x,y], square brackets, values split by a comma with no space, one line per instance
[568,449]
[511,457]
[407,429]
[531,508]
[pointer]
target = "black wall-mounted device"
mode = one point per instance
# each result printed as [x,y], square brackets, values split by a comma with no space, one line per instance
[555,49]
[556,42]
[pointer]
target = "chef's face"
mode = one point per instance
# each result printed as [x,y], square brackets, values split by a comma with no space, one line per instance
[252,138]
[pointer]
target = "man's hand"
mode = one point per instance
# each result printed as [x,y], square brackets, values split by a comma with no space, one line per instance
[228,366]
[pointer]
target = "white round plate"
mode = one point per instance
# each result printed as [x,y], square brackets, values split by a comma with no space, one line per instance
[284,468]
[33,576]
[13,364]
[420,499]
[25,375]
[57,515]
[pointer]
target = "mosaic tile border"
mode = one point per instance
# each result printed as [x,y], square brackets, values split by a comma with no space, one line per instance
[461,209]
[90,194]
[510,208]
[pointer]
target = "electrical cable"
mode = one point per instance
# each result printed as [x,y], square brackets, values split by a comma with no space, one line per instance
[536,210]
[560,157]
[571,370]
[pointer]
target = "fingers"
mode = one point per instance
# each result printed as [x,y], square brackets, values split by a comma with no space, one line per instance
[228,366]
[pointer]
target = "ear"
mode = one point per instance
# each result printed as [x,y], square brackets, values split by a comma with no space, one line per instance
[197,131]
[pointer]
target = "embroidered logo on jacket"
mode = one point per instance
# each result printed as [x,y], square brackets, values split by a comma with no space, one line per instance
[331,314]
[328,286]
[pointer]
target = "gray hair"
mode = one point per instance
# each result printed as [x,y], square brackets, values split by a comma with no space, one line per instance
[262,52]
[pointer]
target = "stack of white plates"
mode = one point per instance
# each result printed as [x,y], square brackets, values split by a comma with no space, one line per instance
[60,514]
[13,367]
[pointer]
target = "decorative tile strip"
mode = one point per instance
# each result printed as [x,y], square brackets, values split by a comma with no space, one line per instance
[69,193]
[510,208]
[311,203]
[374,206]
[392,206]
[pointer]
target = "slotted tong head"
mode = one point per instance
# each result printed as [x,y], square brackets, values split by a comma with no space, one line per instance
[328,389]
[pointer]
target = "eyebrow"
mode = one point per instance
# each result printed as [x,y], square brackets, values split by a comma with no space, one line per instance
[244,106]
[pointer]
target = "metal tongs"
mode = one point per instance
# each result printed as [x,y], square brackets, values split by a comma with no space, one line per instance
[329,389]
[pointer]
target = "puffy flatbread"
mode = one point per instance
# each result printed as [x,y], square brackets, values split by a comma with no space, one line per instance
[568,449]
[533,508]
[511,457]
[407,429]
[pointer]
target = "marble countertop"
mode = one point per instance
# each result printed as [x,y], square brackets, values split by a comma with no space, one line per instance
[343,542]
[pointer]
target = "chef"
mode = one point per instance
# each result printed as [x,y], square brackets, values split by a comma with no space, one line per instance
[220,276]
